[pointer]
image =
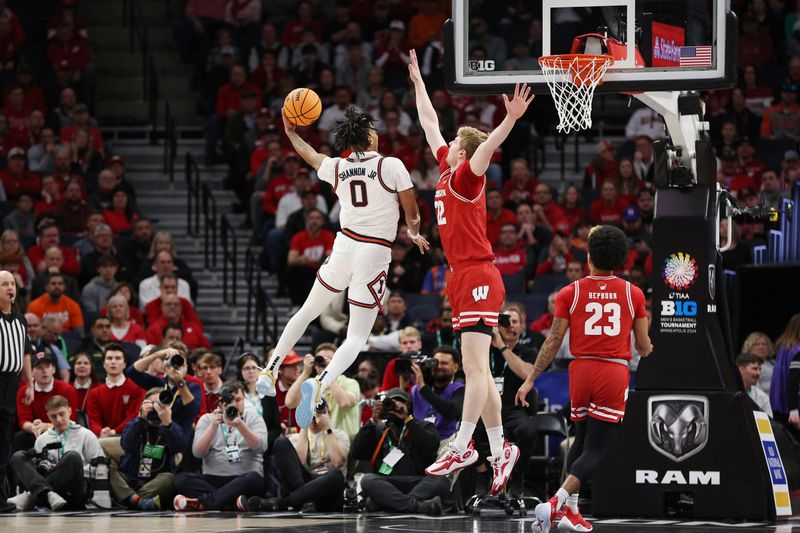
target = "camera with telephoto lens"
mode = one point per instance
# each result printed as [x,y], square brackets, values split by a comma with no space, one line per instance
[428,364]
[319,361]
[152,416]
[165,398]
[226,399]
[504,320]
[351,503]
[176,361]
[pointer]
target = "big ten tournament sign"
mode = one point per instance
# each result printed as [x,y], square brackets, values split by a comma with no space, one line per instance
[679,309]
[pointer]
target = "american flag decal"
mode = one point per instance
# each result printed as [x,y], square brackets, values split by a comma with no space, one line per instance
[696,56]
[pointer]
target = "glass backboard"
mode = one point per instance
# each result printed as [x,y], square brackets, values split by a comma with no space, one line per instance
[663,45]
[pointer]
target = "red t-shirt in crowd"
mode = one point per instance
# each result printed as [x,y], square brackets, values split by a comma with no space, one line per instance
[285,414]
[493,225]
[605,214]
[276,189]
[510,262]
[152,311]
[315,248]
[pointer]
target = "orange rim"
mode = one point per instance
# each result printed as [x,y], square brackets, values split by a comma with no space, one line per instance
[580,65]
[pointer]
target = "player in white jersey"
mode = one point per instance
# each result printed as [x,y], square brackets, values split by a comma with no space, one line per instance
[371,188]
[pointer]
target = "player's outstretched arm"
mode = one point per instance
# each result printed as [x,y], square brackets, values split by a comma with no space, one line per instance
[303,149]
[515,108]
[546,355]
[642,337]
[408,201]
[427,114]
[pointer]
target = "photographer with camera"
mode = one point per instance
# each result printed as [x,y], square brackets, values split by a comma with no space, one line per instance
[313,465]
[399,447]
[231,442]
[176,384]
[409,340]
[146,475]
[53,472]
[437,397]
[510,362]
[342,396]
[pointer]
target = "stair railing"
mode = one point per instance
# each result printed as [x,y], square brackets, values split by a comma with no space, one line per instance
[138,31]
[260,308]
[229,260]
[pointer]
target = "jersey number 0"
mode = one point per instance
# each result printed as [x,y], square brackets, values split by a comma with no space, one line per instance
[358,193]
[610,311]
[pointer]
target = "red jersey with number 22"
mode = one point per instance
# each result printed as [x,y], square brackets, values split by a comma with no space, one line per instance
[460,205]
[601,311]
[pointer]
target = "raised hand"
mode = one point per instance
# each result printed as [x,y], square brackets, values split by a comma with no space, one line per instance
[519,104]
[413,68]
[288,126]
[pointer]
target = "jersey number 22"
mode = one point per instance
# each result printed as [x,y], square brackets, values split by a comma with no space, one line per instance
[439,206]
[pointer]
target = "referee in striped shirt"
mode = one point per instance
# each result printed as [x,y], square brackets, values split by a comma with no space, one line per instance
[15,357]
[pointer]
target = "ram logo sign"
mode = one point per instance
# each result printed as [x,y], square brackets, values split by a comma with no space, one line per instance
[677,425]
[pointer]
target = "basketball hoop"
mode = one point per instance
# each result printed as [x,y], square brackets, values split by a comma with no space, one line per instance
[572,79]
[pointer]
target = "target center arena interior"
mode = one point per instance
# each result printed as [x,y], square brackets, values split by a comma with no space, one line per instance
[167,205]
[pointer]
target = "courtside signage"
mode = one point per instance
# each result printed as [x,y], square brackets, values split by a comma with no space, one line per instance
[777,474]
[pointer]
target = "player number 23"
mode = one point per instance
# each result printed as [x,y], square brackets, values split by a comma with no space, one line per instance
[611,311]
[439,206]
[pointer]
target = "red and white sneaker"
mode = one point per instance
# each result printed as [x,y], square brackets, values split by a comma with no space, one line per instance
[573,521]
[452,460]
[183,503]
[502,467]
[546,516]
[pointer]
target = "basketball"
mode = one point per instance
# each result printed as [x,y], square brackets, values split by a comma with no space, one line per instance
[303,107]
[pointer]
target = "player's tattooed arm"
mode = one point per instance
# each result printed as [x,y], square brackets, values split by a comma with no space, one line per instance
[551,345]
[546,355]
[303,149]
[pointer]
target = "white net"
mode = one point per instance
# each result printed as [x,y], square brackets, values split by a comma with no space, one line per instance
[572,80]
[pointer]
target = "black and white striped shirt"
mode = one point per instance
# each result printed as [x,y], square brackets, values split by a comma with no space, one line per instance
[14,342]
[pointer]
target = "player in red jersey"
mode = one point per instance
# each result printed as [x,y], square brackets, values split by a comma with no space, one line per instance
[475,289]
[600,311]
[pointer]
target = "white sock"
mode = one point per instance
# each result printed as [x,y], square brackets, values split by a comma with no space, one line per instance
[572,502]
[562,496]
[361,321]
[495,440]
[464,435]
[318,299]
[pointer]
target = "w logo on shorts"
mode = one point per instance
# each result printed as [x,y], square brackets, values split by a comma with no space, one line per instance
[480,293]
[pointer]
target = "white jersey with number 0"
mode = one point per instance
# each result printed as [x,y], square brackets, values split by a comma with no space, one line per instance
[367,185]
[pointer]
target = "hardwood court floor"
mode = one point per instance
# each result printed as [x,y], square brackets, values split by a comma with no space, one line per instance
[211,522]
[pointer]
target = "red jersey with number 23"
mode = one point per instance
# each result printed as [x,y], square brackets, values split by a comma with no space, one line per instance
[460,205]
[601,311]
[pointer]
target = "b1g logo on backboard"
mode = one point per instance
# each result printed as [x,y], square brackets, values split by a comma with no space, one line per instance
[481,65]
[677,425]
[680,271]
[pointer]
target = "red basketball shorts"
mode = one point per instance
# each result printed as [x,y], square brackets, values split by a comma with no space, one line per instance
[476,293]
[598,389]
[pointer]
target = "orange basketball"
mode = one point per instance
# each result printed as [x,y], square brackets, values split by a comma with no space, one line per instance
[302,107]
